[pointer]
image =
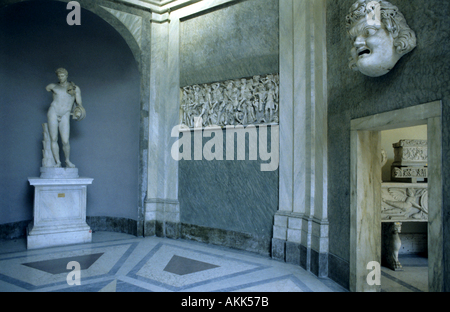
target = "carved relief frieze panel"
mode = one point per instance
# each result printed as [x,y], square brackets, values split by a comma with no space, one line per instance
[242,101]
[404,202]
[409,172]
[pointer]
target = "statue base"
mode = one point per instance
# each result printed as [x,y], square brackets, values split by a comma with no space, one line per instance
[59,212]
[59,173]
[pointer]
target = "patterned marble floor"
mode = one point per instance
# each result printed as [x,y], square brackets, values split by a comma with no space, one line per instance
[413,278]
[124,263]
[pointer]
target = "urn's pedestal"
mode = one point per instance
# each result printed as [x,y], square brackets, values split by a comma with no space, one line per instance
[59,209]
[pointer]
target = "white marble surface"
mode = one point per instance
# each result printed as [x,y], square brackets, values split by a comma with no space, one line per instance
[58,173]
[162,191]
[59,212]
[43,239]
[287,110]
[303,126]
[435,218]
[319,235]
[280,225]
[406,117]
[365,217]
[131,21]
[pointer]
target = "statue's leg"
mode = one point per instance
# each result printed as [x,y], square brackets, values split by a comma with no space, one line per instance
[64,129]
[53,132]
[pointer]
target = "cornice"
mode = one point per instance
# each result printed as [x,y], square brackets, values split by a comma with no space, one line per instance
[158,7]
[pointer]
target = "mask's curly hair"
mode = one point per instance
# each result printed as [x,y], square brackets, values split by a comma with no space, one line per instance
[393,20]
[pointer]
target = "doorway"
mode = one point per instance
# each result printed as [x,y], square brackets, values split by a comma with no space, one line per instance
[365,182]
[404,178]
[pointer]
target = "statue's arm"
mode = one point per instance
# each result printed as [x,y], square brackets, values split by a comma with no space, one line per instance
[78,96]
[50,87]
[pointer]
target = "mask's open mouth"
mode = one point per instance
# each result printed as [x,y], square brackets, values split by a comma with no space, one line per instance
[363,52]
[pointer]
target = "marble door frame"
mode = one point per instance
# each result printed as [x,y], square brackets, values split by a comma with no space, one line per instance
[365,180]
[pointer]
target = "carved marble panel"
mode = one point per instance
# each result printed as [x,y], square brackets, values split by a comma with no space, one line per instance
[233,102]
[409,172]
[410,152]
[404,202]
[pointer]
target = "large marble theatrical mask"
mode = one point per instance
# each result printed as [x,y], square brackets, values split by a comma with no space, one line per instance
[379,36]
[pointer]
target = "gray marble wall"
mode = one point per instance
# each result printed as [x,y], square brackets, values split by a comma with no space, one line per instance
[232,41]
[420,77]
[234,196]
[229,202]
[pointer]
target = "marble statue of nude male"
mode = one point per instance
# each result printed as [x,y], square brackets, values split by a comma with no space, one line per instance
[65,96]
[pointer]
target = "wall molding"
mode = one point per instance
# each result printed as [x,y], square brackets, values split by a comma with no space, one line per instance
[17,229]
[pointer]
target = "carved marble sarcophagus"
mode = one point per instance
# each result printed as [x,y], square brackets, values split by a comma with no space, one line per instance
[410,161]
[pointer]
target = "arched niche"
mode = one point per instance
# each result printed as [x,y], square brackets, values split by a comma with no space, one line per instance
[127,22]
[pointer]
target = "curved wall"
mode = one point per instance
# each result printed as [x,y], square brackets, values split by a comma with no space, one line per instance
[229,202]
[36,40]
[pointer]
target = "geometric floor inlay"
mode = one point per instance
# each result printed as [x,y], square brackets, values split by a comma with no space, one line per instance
[131,264]
[175,268]
[57,266]
[182,266]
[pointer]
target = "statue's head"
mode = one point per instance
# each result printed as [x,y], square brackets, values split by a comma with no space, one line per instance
[380,36]
[61,71]
[62,74]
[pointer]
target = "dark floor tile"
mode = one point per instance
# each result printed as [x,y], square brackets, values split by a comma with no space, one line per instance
[182,266]
[56,266]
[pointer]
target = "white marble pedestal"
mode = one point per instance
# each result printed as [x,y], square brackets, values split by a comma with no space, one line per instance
[59,212]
